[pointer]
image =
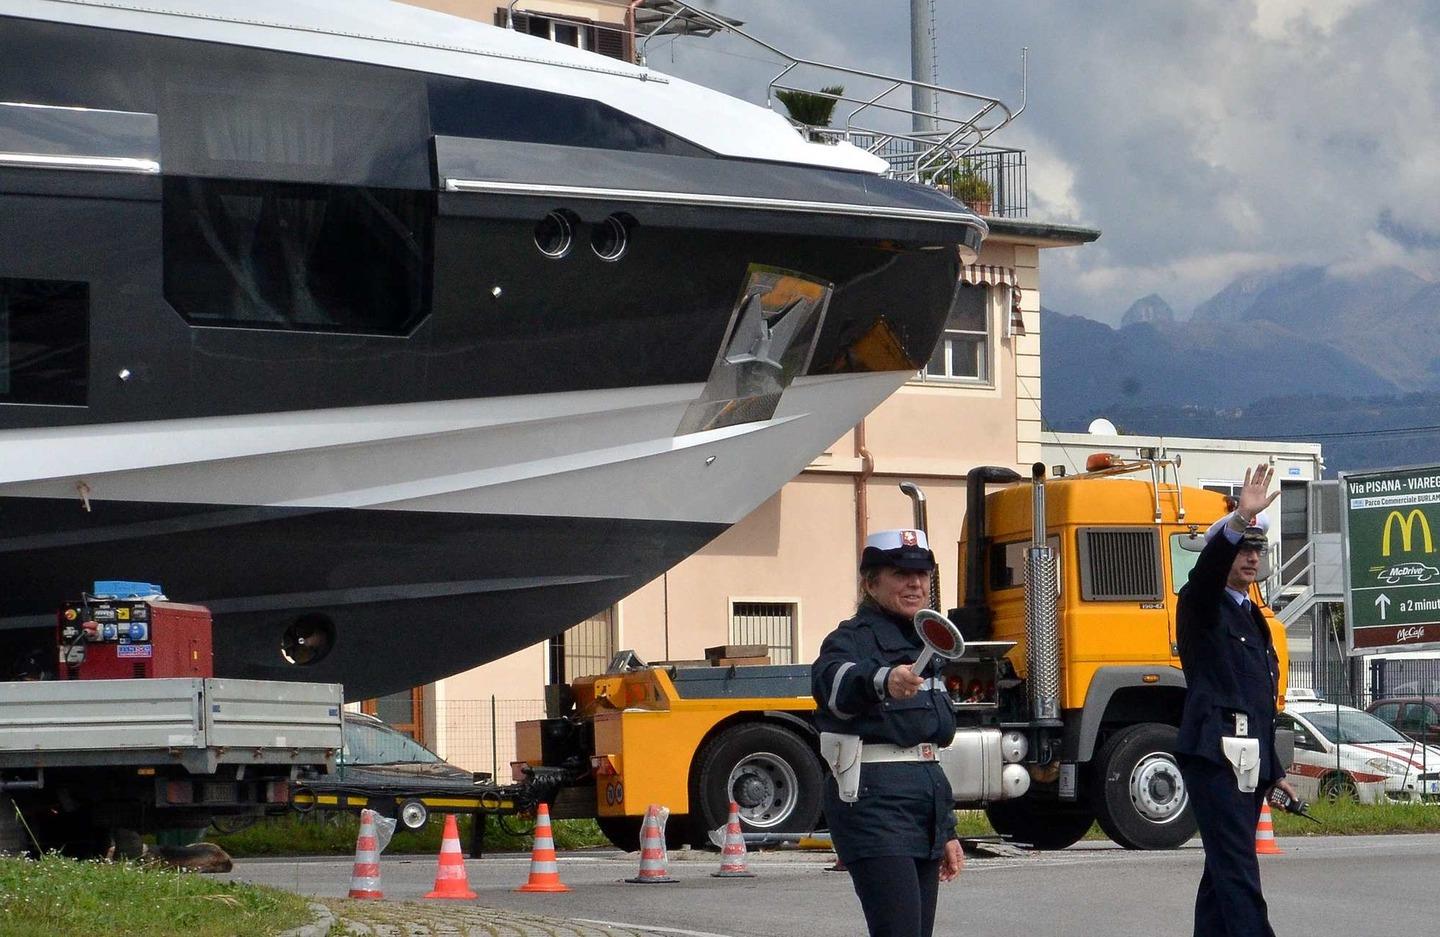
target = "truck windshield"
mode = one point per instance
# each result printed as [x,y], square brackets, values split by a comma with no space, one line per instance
[1181,562]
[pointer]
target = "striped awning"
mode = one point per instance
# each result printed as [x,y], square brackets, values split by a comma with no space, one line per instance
[987,275]
[992,275]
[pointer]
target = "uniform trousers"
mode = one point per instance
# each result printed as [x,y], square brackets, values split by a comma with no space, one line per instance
[1229,902]
[898,894]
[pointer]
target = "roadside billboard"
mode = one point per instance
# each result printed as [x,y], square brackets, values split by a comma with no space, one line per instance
[1391,537]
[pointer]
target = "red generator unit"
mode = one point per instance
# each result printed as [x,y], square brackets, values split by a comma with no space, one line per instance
[133,638]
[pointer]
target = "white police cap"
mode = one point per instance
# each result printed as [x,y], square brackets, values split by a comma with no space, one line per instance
[903,548]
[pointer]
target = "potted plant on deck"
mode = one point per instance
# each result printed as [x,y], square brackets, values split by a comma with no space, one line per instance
[973,189]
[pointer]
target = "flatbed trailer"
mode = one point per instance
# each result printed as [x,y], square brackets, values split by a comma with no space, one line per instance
[413,807]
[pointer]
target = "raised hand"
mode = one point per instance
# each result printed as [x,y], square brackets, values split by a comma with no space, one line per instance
[1253,498]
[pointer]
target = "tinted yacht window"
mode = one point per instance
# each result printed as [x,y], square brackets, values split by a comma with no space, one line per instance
[461,108]
[292,256]
[44,341]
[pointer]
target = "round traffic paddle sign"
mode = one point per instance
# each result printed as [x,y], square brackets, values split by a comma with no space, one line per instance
[940,636]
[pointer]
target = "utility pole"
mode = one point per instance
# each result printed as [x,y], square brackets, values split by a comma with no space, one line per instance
[923,65]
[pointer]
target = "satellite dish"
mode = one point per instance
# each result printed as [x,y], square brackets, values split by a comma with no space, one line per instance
[1102,427]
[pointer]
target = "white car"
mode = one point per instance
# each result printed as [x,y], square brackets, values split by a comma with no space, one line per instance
[1342,751]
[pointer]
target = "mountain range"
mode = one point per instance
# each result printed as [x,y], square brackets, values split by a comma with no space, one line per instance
[1301,351]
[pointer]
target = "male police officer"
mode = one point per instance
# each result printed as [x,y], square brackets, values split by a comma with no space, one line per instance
[1226,745]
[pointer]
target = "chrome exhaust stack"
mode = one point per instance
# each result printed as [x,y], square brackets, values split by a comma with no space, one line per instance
[922,524]
[1042,615]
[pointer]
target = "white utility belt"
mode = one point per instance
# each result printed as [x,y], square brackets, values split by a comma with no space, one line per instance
[846,753]
[879,751]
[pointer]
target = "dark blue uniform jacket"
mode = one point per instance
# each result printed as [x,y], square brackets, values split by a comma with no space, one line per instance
[904,808]
[1229,662]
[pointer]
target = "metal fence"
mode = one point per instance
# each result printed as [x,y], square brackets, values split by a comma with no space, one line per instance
[479,734]
[1357,683]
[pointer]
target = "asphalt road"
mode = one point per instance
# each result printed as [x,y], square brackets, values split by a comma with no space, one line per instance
[1359,885]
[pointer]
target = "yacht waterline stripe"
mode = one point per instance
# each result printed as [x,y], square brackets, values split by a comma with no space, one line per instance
[706,199]
[102,163]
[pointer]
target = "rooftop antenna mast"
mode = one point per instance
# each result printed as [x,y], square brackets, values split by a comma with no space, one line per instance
[924,66]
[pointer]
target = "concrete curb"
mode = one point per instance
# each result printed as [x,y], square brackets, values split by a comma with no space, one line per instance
[319,927]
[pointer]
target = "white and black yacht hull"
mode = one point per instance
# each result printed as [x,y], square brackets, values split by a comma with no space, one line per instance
[281,337]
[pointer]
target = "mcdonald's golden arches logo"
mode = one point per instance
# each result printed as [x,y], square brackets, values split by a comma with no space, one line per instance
[1407,530]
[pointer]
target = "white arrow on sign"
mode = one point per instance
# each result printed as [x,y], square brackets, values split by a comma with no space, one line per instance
[1382,602]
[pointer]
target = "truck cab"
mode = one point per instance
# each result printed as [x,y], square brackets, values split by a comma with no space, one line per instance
[1124,540]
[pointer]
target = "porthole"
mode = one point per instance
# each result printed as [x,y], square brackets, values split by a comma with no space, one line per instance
[555,234]
[611,237]
[308,640]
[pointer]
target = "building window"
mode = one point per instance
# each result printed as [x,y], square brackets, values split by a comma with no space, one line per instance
[964,349]
[769,623]
[403,711]
[297,257]
[608,39]
[590,645]
[44,341]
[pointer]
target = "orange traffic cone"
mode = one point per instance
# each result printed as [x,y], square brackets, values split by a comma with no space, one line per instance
[1265,844]
[544,871]
[450,878]
[652,849]
[732,854]
[365,879]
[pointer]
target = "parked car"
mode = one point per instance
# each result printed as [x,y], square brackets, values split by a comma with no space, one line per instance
[1341,751]
[391,773]
[1417,717]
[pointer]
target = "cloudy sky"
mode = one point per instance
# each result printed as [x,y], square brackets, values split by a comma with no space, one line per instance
[1204,138]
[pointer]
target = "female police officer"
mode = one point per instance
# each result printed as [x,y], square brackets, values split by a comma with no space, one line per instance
[894,826]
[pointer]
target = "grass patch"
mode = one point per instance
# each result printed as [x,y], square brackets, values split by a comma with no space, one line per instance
[1345,818]
[58,896]
[333,834]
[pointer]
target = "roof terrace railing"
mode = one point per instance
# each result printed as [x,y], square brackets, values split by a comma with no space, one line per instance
[962,120]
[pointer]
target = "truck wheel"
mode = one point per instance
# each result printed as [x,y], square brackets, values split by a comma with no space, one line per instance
[233,823]
[768,770]
[1043,824]
[1139,796]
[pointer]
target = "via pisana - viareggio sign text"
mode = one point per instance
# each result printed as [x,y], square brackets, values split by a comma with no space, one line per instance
[1392,535]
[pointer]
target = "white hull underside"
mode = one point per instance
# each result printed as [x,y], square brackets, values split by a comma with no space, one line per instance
[604,453]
